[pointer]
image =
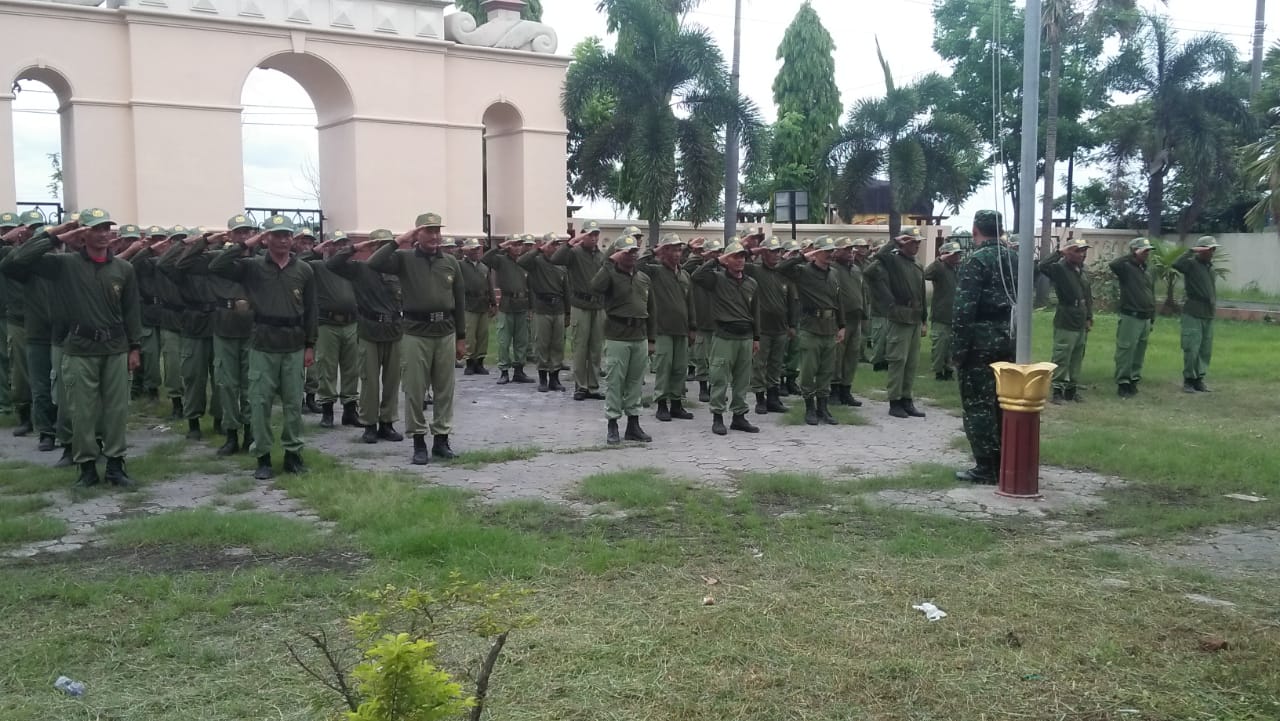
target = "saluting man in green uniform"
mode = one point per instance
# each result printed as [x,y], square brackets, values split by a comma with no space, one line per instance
[942,274]
[8,221]
[822,326]
[1198,311]
[550,294]
[673,327]
[629,322]
[282,292]
[1137,315]
[434,325]
[511,288]
[337,346]
[149,378]
[197,334]
[582,258]
[1073,319]
[898,281]
[378,304]
[480,305]
[103,343]
[776,298]
[704,320]
[791,363]
[853,302]
[735,308]
[15,303]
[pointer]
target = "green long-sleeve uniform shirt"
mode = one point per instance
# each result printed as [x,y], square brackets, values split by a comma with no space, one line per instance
[547,283]
[335,297]
[475,283]
[734,306]
[1200,284]
[198,298]
[897,281]
[511,279]
[377,297]
[283,299]
[853,296]
[703,319]
[107,317]
[776,298]
[1075,297]
[431,287]
[233,316]
[14,293]
[169,291]
[628,303]
[582,266]
[672,298]
[1137,287]
[943,300]
[149,291]
[818,293]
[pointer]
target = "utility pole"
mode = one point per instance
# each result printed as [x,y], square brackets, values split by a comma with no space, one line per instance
[1027,181]
[1259,25]
[731,135]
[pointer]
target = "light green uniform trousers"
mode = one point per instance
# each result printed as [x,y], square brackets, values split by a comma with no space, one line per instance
[670,367]
[5,405]
[587,327]
[766,371]
[513,339]
[548,334]
[150,371]
[97,388]
[338,354]
[231,371]
[428,364]
[1131,348]
[731,362]
[197,373]
[171,356]
[848,354]
[700,354]
[311,380]
[817,364]
[624,363]
[902,353]
[879,339]
[62,425]
[1068,355]
[531,355]
[1197,346]
[40,367]
[477,335]
[379,382]
[272,375]
[19,383]
[940,347]
[791,364]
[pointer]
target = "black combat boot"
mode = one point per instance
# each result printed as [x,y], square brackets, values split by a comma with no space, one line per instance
[480,369]
[613,438]
[542,382]
[1125,390]
[519,377]
[1200,386]
[740,423]
[116,474]
[264,472]
[420,455]
[64,461]
[984,472]
[553,381]
[880,367]
[326,415]
[231,446]
[293,462]
[309,404]
[897,411]
[634,432]
[370,434]
[824,413]
[24,422]
[388,432]
[783,390]
[504,378]
[704,391]
[247,442]
[351,414]
[88,474]
[1188,385]
[193,429]
[440,448]
[909,406]
[810,412]
[47,443]
[471,367]
[664,412]
[847,398]
[792,388]
[836,396]
[678,412]
[762,408]
[177,413]
[692,374]
[1059,397]
[717,424]
[772,402]
[579,394]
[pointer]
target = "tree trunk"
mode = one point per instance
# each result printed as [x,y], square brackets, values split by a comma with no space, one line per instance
[895,223]
[1155,203]
[655,232]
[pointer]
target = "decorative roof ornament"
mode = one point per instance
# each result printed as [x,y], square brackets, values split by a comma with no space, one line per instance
[505,29]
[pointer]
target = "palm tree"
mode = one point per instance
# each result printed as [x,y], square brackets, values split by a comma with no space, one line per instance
[1177,104]
[925,153]
[1262,169]
[644,155]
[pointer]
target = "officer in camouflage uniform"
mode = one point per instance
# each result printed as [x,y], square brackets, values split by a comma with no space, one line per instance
[735,308]
[629,322]
[338,355]
[511,288]
[8,221]
[981,335]
[1073,319]
[103,343]
[200,304]
[942,274]
[897,282]
[673,326]
[378,301]
[1137,315]
[1198,311]
[821,327]
[480,305]
[777,300]
[703,319]
[435,328]
[550,292]
[853,301]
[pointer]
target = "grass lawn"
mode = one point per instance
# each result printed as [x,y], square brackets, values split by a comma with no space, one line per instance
[789,599]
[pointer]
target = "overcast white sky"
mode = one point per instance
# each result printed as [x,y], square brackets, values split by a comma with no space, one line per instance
[280,139]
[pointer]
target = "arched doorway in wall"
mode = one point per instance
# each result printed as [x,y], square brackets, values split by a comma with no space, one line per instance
[504,170]
[42,161]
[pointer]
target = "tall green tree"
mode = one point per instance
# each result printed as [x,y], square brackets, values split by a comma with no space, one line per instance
[808,104]
[645,155]
[532,10]
[1187,93]
[925,152]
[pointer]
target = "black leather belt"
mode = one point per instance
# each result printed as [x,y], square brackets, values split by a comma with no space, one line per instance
[379,317]
[587,297]
[821,313]
[174,307]
[1139,316]
[339,318]
[550,298]
[278,321]
[429,317]
[97,335]
[202,307]
[152,300]
[629,322]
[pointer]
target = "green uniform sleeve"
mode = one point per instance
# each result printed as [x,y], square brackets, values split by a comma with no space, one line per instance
[310,308]
[1184,261]
[705,276]
[230,263]
[791,267]
[563,255]
[131,309]
[32,258]
[1047,265]
[793,306]
[459,305]
[342,265]
[528,259]
[194,261]
[386,259]
[603,279]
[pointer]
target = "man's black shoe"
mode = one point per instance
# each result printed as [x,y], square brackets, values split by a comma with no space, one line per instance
[420,455]
[772,401]
[717,425]
[388,432]
[47,443]
[193,429]
[231,446]
[678,412]
[810,412]
[664,412]
[824,413]
[909,406]
[116,474]
[351,414]
[704,391]
[326,415]
[309,404]
[897,411]
[613,438]
[440,447]
[264,472]
[740,423]
[293,462]
[542,382]
[762,407]
[634,432]
[88,474]
[370,434]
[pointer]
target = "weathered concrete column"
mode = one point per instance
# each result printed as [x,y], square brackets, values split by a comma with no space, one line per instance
[1022,390]
[8,182]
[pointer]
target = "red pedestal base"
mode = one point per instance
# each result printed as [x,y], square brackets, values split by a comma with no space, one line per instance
[1020,455]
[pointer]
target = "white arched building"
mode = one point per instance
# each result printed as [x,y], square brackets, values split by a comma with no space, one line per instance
[412,105]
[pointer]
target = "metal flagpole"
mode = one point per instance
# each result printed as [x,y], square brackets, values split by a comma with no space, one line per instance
[1027,181]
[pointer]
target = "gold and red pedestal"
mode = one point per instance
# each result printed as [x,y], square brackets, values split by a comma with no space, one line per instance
[1022,390]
